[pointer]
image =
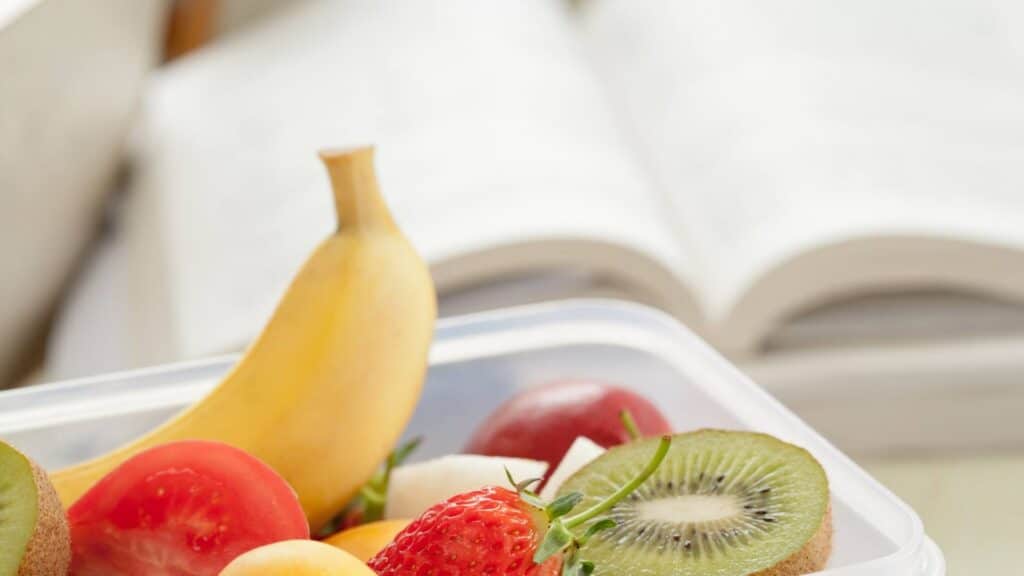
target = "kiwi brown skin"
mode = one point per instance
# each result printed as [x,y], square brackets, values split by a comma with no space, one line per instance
[48,552]
[811,558]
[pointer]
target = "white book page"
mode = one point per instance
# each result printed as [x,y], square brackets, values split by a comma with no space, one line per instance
[491,133]
[780,128]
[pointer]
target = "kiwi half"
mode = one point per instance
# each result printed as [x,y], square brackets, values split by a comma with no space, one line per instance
[722,503]
[34,538]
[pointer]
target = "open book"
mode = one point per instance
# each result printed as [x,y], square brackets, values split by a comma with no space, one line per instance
[734,163]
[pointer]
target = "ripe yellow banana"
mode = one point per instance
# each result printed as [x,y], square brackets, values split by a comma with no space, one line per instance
[328,386]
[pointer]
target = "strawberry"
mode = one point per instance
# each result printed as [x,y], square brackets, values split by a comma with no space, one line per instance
[487,531]
[497,531]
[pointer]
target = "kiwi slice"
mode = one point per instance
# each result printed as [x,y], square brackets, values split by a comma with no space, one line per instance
[34,538]
[722,503]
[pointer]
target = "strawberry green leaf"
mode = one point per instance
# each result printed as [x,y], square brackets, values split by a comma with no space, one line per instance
[375,492]
[399,456]
[583,568]
[599,526]
[523,489]
[558,538]
[532,499]
[563,505]
[623,491]
[522,485]
[574,566]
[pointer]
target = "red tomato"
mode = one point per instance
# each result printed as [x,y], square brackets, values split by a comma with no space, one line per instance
[181,509]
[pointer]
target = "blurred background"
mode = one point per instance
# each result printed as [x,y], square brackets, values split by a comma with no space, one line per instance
[831,193]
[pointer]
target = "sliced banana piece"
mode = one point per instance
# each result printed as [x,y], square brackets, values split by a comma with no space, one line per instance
[416,487]
[582,451]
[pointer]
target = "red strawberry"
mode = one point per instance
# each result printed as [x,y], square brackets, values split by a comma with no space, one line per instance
[488,531]
[496,531]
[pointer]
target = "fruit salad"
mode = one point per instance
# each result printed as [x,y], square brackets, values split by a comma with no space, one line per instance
[643,501]
[294,463]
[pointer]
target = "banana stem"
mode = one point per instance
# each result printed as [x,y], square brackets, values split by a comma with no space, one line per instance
[357,197]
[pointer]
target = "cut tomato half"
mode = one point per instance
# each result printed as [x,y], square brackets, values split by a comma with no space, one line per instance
[181,509]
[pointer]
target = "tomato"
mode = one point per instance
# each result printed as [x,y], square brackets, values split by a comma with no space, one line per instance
[181,509]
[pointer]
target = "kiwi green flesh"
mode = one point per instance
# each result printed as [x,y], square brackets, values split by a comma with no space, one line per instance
[18,508]
[722,503]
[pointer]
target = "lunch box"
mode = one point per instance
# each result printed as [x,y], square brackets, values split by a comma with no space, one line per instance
[476,362]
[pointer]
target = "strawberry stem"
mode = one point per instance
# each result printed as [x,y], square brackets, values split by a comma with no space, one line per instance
[627,489]
[626,417]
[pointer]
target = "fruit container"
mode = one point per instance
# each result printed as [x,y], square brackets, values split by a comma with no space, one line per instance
[480,360]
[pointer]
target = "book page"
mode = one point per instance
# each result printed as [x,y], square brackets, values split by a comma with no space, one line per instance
[893,319]
[491,134]
[777,129]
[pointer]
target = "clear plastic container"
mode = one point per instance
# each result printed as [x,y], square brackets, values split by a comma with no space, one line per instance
[478,361]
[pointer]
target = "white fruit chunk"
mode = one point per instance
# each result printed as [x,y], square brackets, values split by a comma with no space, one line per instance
[416,487]
[582,451]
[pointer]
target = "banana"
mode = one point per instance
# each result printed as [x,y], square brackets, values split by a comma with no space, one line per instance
[326,389]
